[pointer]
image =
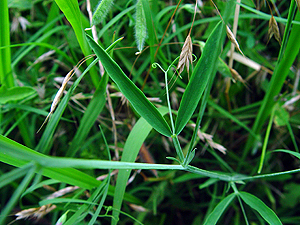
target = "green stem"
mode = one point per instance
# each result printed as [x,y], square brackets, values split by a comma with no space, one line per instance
[178,148]
[263,153]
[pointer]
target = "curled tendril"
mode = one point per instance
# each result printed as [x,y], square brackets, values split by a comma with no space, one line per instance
[195,57]
[155,65]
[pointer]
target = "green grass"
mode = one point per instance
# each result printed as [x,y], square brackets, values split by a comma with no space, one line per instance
[140,129]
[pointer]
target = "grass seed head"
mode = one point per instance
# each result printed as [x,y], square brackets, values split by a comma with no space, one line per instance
[232,39]
[237,77]
[274,30]
[186,55]
[37,213]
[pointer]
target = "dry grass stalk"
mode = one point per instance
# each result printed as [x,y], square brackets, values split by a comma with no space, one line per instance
[274,30]
[209,139]
[37,213]
[62,88]
[233,40]
[138,208]
[237,77]
[229,33]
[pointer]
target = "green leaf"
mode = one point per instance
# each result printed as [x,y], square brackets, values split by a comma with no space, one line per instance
[199,78]
[134,95]
[281,116]
[219,210]
[15,93]
[260,207]
[101,11]
[296,154]
[71,10]
[140,25]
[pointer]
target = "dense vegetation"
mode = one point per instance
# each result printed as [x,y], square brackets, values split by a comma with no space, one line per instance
[149,112]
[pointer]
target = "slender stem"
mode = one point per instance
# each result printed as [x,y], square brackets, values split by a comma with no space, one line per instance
[263,153]
[178,147]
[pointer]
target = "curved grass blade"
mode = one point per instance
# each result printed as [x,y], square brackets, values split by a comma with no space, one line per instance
[261,208]
[132,146]
[135,96]
[199,78]
[219,209]
[91,113]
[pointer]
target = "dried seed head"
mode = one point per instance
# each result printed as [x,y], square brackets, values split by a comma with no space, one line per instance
[237,77]
[186,55]
[37,213]
[274,30]
[62,88]
[298,4]
[232,39]
[209,139]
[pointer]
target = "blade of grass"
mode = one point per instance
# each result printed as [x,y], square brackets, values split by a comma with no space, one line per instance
[140,26]
[44,144]
[134,95]
[67,175]
[132,146]
[17,193]
[285,60]
[14,174]
[6,77]
[15,93]
[71,10]
[89,117]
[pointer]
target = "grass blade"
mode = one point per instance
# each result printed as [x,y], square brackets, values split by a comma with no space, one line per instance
[6,77]
[93,110]
[131,149]
[285,60]
[71,10]
[16,195]
[135,96]
[15,93]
